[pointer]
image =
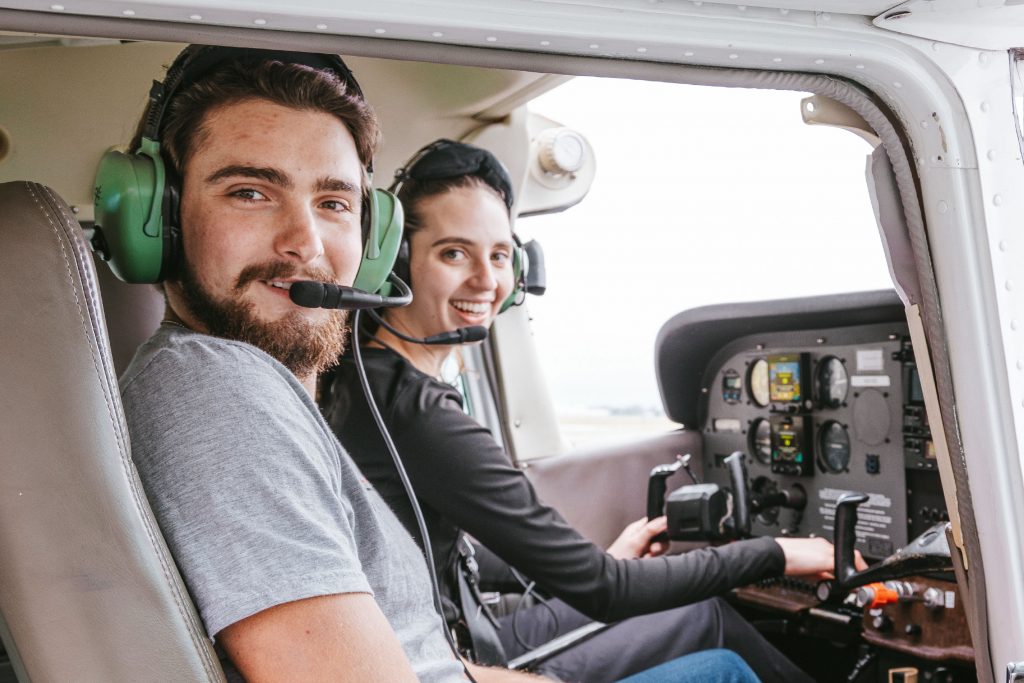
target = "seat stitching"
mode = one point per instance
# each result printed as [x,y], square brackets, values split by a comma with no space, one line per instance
[85,281]
[88,283]
[169,576]
[201,646]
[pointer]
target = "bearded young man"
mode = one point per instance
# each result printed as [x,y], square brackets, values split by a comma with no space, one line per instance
[283,545]
[299,570]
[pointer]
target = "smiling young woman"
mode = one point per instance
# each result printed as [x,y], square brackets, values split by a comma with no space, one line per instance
[460,263]
[463,264]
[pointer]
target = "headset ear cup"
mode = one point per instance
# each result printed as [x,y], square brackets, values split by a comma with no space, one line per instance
[401,268]
[383,242]
[172,252]
[127,236]
[520,266]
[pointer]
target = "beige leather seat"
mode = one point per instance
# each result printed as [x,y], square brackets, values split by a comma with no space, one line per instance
[88,591]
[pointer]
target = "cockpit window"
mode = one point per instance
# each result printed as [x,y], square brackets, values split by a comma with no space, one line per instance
[702,196]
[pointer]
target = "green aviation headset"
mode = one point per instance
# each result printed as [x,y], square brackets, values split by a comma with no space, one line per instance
[443,159]
[137,230]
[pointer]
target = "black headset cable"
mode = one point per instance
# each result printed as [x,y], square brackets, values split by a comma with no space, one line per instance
[420,523]
[528,589]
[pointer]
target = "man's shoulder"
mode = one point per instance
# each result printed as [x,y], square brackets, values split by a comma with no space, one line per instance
[180,377]
[209,404]
[184,356]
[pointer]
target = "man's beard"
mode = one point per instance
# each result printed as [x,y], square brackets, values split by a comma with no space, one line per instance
[304,347]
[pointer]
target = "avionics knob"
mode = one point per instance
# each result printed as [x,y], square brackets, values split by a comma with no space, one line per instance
[876,594]
[882,623]
[903,589]
[561,151]
[865,596]
[934,598]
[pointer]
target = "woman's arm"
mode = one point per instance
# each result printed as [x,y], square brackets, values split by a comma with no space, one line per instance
[459,471]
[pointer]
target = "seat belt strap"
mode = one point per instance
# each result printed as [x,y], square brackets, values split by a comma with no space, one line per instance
[480,621]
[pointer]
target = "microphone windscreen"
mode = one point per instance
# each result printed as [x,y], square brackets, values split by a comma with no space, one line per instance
[473,334]
[307,293]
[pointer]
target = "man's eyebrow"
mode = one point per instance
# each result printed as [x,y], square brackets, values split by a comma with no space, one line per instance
[329,184]
[271,175]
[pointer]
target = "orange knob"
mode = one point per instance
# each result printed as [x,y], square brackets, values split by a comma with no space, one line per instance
[879,594]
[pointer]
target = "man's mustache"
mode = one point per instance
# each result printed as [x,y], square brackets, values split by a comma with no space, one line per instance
[281,270]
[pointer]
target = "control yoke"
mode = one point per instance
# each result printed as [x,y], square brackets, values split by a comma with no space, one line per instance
[846,536]
[929,552]
[706,512]
[740,494]
[657,485]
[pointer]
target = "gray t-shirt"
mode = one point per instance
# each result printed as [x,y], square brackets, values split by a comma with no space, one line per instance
[258,501]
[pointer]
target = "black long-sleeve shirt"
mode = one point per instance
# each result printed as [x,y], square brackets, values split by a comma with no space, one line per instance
[465,480]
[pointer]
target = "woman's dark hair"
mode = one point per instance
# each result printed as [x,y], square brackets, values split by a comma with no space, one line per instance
[443,166]
[413,192]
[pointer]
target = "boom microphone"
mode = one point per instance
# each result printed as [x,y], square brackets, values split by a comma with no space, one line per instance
[313,294]
[462,335]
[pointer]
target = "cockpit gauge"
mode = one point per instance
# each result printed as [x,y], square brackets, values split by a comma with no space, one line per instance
[833,382]
[789,380]
[757,380]
[833,447]
[792,445]
[759,440]
[732,386]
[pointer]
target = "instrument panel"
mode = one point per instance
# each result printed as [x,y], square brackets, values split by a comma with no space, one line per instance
[829,411]
[823,397]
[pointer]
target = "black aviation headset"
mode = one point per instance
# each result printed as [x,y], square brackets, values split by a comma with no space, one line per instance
[137,222]
[444,159]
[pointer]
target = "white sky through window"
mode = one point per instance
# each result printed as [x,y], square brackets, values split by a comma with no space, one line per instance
[702,195]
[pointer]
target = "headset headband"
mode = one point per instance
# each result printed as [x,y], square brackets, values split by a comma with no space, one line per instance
[444,159]
[136,195]
[196,61]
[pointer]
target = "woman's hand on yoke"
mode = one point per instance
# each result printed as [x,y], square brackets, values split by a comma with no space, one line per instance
[636,539]
[812,557]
